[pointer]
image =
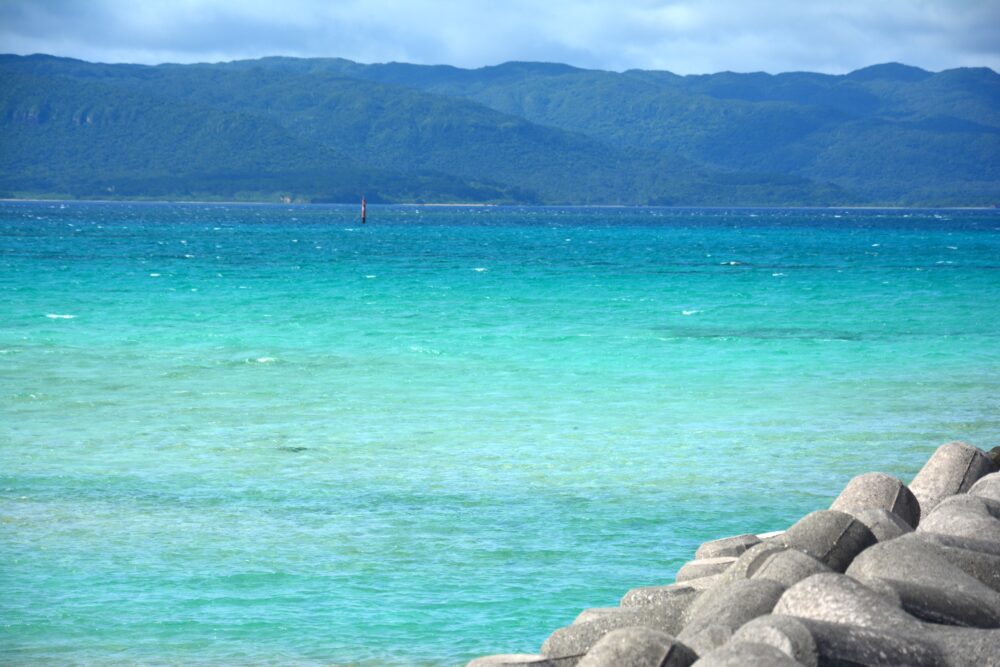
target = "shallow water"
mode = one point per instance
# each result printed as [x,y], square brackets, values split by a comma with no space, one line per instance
[270,435]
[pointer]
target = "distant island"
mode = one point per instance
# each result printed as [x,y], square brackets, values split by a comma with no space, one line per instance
[329,130]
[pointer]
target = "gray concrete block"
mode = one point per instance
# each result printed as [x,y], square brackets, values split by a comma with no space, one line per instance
[840,644]
[852,625]
[646,596]
[719,611]
[994,455]
[987,486]
[966,516]
[837,598]
[788,634]
[954,541]
[981,565]
[519,660]
[770,535]
[952,469]
[749,561]
[967,647]
[578,638]
[884,525]
[638,647]
[789,567]
[876,490]
[929,585]
[728,546]
[831,537]
[745,654]
[594,613]
[704,567]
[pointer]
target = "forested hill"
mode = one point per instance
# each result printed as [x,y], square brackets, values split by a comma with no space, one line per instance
[331,130]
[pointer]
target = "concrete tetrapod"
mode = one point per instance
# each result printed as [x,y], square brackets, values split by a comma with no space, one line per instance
[952,469]
[704,567]
[717,614]
[520,660]
[994,455]
[876,490]
[594,613]
[789,567]
[831,537]
[982,565]
[727,546]
[929,585]
[971,517]
[749,561]
[638,647]
[884,525]
[745,654]
[988,486]
[647,596]
[851,623]
[788,634]
[577,639]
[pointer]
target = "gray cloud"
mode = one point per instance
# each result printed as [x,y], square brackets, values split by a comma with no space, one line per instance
[684,36]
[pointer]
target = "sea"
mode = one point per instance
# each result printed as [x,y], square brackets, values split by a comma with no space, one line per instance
[271,435]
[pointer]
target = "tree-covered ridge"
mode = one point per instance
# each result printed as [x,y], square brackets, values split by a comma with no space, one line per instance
[331,129]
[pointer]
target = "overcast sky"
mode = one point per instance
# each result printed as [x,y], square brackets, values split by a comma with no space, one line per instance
[683,36]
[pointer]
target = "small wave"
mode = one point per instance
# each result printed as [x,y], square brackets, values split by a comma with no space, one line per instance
[689,312]
[265,360]
[54,316]
[952,247]
[371,275]
[777,275]
[479,269]
[154,275]
[731,263]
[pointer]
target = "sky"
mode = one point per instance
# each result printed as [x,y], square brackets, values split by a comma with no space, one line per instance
[682,36]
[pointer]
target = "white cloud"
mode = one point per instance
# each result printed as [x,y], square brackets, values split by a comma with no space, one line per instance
[684,36]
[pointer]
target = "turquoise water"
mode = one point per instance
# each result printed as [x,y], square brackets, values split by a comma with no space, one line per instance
[269,435]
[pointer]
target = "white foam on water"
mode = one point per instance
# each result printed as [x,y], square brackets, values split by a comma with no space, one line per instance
[732,263]
[370,276]
[777,275]
[54,316]
[876,245]
[479,269]
[689,312]
[265,360]
[188,256]
[952,247]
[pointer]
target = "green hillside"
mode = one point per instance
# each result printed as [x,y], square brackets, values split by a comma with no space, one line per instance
[888,133]
[330,129]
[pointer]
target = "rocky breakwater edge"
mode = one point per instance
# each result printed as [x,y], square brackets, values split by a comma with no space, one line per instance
[889,575]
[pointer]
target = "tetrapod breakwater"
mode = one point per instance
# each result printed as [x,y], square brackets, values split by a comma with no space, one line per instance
[889,574]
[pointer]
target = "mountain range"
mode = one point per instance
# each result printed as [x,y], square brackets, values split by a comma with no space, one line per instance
[332,130]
